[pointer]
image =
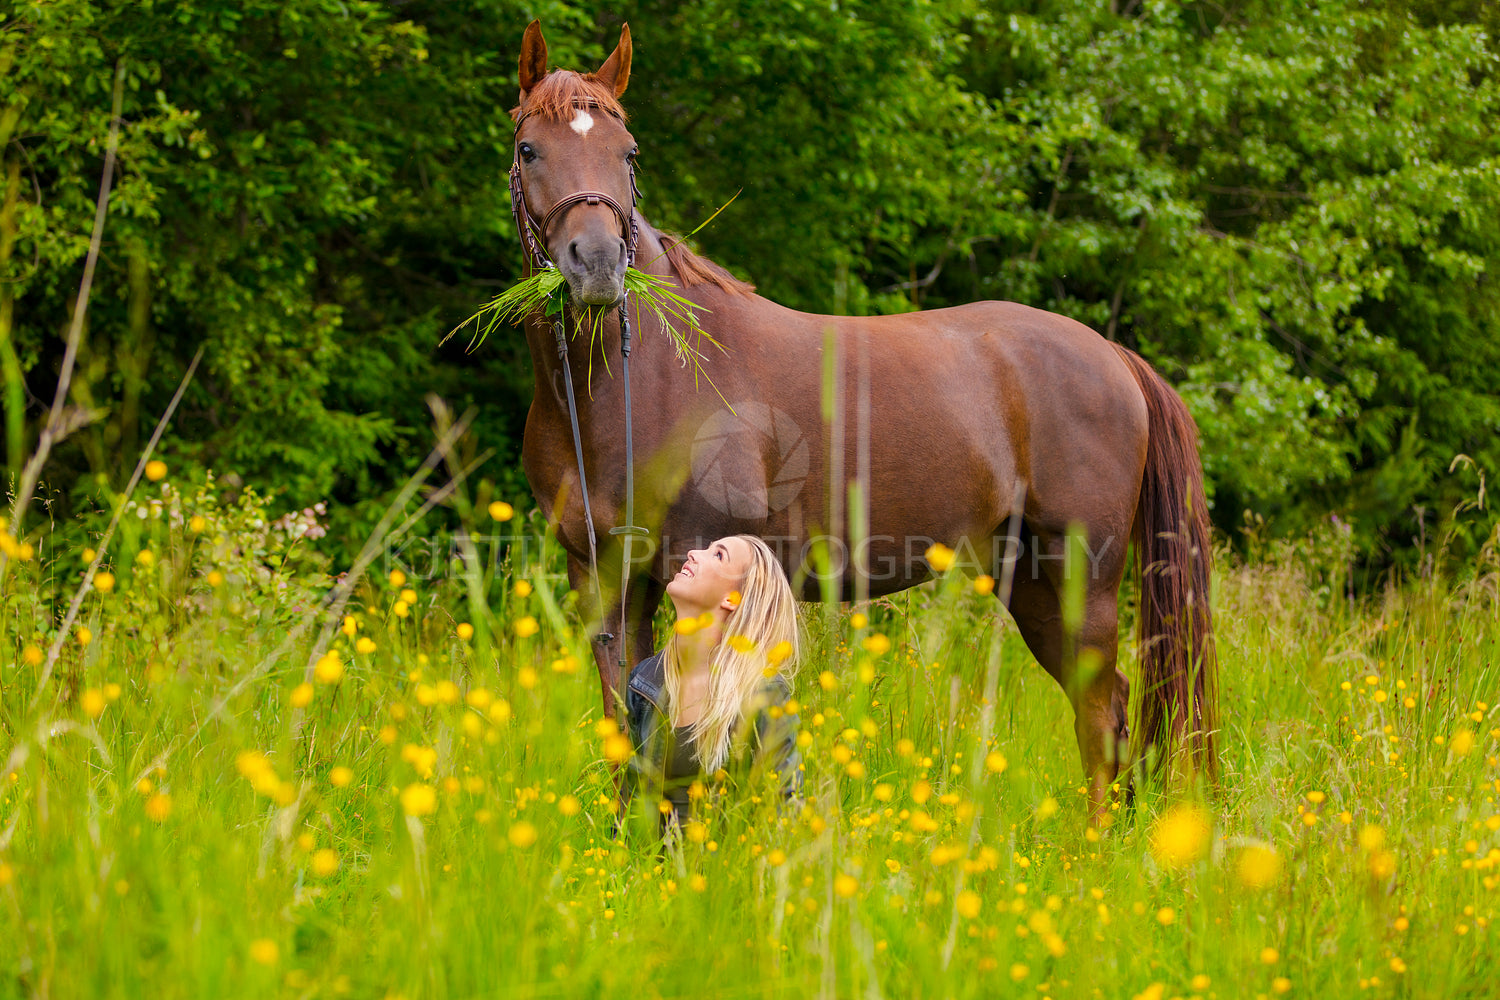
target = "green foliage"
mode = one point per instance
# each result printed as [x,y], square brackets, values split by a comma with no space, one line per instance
[1290,209]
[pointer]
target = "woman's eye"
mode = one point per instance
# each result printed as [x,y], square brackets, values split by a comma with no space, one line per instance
[527,153]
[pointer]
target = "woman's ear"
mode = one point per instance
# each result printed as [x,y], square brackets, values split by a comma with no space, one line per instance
[731,601]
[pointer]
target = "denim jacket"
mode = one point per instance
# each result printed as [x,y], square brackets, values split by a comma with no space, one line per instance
[772,745]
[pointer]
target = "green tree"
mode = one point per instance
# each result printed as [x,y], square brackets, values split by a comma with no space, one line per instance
[1289,208]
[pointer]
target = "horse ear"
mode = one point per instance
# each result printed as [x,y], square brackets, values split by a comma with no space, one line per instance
[616,69]
[533,58]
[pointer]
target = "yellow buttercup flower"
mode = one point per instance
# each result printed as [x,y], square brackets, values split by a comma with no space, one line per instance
[1461,743]
[502,511]
[156,470]
[1181,836]
[264,951]
[527,627]
[939,557]
[1382,864]
[617,748]
[465,631]
[418,799]
[329,669]
[104,582]
[1257,867]
[92,702]
[251,763]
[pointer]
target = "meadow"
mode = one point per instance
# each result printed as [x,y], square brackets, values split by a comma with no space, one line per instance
[229,783]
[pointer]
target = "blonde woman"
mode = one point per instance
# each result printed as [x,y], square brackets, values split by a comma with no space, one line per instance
[713,698]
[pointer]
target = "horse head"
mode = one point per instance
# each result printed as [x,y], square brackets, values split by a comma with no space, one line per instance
[573,179]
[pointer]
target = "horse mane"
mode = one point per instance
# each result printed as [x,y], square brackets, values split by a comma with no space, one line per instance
[695,269]
[558,95]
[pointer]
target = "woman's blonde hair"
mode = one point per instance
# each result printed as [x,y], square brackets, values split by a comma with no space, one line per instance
[759,642]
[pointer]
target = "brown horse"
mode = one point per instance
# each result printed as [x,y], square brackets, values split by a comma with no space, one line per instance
[991,428]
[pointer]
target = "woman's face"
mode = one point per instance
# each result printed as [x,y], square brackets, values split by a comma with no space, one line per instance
[708,576]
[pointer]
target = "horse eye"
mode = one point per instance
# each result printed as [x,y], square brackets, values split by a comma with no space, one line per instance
[634,152]
[527,153]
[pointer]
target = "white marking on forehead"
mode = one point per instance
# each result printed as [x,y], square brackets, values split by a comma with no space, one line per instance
[582,122]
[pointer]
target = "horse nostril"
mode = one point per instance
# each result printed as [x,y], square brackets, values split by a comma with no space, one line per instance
[573,253]
[622,261]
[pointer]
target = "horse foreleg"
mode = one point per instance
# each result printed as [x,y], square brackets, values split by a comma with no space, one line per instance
[606,652]
[645,595]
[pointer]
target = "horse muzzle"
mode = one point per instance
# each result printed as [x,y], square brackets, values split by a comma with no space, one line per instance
[594,266]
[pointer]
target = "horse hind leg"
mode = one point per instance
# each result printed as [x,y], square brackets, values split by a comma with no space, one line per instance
[1084,667]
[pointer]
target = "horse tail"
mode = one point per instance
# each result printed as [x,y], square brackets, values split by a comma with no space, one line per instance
[1174,560]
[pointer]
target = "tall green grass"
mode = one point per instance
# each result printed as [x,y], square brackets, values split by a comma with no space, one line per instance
[172,824]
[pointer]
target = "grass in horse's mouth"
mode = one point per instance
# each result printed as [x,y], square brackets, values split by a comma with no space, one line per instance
[647,294]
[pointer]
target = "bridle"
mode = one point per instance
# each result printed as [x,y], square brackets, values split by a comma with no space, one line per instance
[534,237]
[533,240]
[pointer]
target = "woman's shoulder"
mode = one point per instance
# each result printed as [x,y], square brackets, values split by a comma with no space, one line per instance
[778,688]
[770,699]
[648,678]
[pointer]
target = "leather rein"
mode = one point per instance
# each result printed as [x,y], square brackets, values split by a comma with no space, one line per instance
[533,239]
